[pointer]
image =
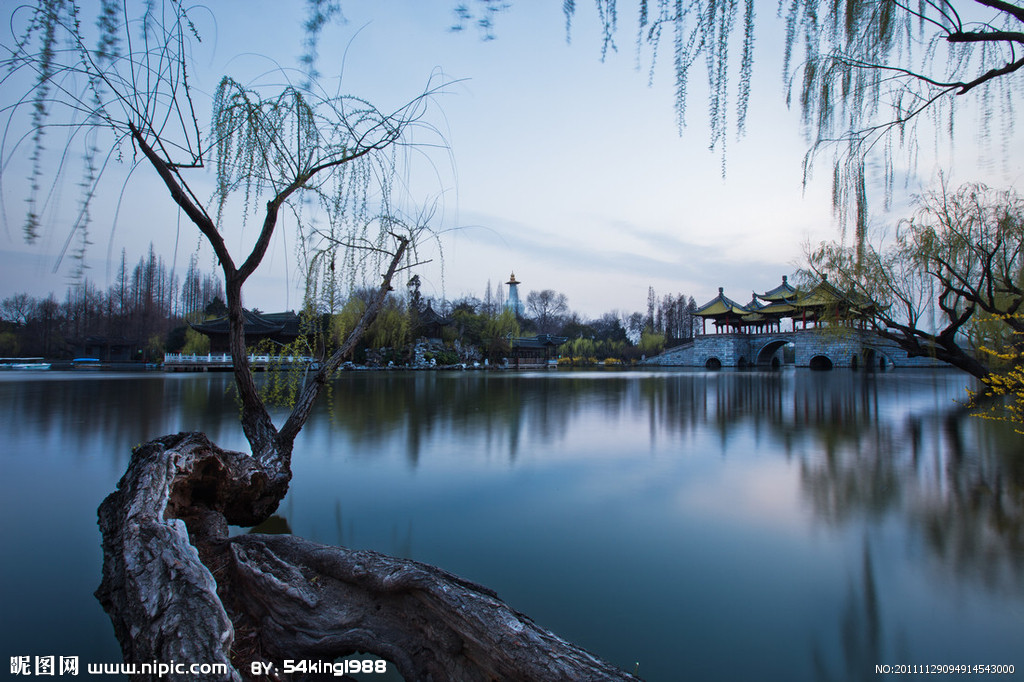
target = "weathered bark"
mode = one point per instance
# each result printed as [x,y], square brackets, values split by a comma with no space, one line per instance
[177,588]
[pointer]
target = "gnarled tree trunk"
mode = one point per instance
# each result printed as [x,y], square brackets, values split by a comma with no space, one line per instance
[177,588]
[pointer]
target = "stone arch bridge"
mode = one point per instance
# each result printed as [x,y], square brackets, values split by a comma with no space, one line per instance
[814,348]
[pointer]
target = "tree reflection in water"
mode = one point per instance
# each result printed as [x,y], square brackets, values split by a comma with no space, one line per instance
[870,449]
[860,628]
[866,444]
[557,487]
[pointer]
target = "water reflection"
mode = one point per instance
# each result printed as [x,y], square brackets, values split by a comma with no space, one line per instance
[866,445]
[892,457]
[799,525]
[860,628]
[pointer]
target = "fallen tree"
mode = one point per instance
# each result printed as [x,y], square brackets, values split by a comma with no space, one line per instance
[177,588]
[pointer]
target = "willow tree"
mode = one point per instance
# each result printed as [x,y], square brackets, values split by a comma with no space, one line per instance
[175,585]
[949,282]
[863,73]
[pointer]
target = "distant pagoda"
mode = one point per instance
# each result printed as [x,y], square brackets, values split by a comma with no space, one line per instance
[512,302]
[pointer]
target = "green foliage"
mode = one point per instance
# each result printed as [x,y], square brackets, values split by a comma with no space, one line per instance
[196,343]
[952,271]
[345,321]
[972,242]
[285,373]
[580,348]
[866,84]
[467,325]
[584,351]
[446,357]
[276,143]
[155,348]
[392,327]
[290,363]
[497,333]
[9,345]
[650,343]
[269,146]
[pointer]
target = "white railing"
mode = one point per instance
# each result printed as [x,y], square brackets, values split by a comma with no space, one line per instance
[225,359]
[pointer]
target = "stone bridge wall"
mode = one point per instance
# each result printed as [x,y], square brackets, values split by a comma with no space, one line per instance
[841,348]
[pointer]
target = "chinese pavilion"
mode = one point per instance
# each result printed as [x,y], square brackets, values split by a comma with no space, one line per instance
[822,303]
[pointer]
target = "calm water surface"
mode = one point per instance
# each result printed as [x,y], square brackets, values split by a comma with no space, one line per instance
[686,525]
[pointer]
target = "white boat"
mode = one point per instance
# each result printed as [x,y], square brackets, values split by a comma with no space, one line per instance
[23,363]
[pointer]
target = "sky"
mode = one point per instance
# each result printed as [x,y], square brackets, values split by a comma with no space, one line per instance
[565,169]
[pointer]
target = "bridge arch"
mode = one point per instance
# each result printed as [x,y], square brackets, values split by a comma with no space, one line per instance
[713,364]
[766,355]
[821,363]
[872,360]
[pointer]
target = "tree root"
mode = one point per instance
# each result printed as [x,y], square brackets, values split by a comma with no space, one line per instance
[177,588]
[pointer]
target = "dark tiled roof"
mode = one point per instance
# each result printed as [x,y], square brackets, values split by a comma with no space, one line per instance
[539,341]
[431,316]
[783,292]
[721,307]
[826,295]
[256,324]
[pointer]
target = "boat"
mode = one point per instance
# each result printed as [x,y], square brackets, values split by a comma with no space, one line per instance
[86,363]
[24,363]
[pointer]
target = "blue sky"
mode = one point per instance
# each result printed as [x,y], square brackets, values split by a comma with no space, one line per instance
[564,169]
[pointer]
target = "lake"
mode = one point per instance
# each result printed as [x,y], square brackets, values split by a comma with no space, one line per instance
[792,525]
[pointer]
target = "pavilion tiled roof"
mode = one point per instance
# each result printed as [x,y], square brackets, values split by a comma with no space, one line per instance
[431,316]
[539,341]
[777,310]
[783,292]
[783,301]
[826,295]
[721,307]
[754,308]
[256,324]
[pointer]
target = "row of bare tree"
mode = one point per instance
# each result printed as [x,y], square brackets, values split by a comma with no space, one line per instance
[140,309]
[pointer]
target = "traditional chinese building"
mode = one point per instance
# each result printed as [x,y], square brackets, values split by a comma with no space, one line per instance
[281,328]
[724,312]
[535,351]
[821,304]
[757,334]
[106,348]
[431,324]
